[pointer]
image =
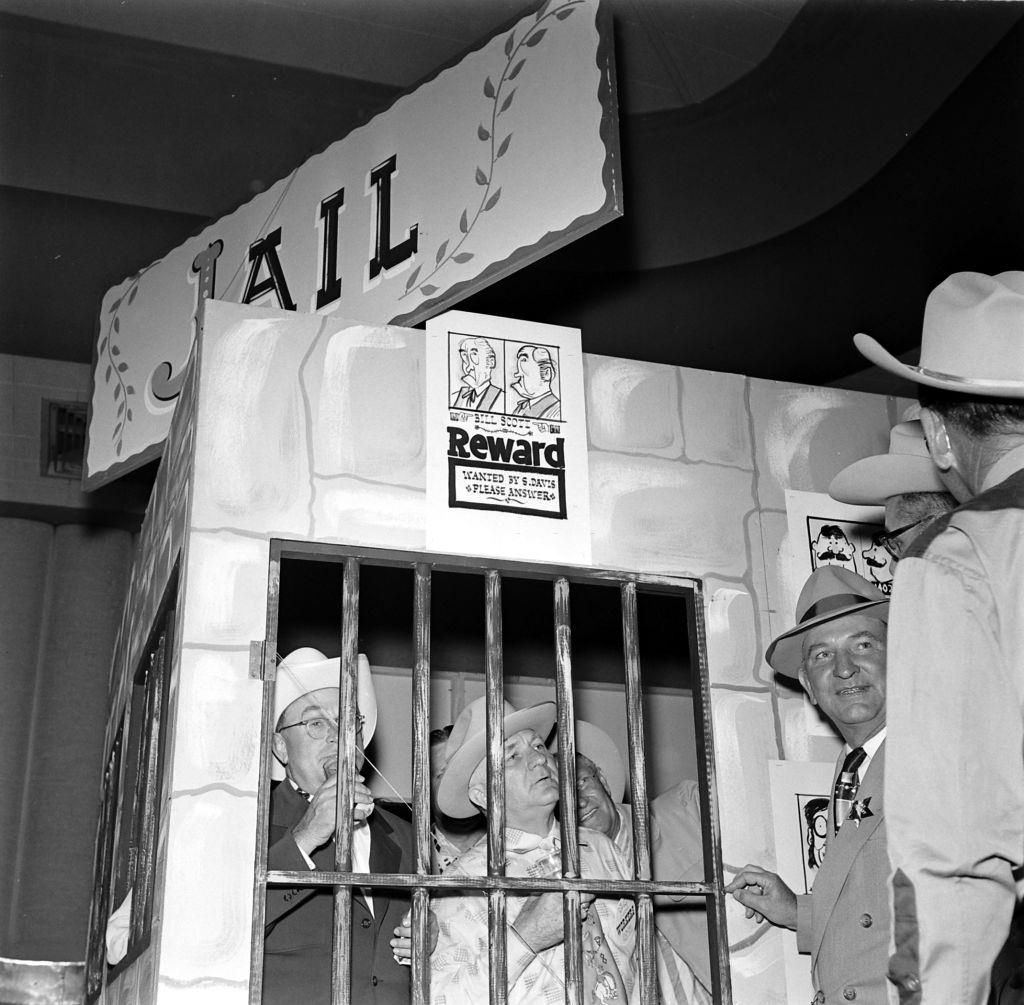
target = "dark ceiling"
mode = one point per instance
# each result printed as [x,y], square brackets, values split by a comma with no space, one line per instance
[794,172]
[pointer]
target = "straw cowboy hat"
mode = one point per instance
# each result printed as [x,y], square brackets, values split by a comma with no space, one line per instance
[972,340]
[907,467]
[467,747]
[594,743]
[306,670]
[830,592]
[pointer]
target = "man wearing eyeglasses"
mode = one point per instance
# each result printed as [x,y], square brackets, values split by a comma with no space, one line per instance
[297,950]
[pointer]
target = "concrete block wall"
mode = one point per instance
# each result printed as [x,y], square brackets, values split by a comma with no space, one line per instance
[307,430]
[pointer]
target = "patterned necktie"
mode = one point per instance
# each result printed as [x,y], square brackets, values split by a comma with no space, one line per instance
[846,787]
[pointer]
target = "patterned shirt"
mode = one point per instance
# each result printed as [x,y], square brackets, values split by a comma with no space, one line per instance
[459,964]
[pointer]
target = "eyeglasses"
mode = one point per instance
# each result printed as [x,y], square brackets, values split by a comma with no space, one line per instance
[890,540]
[320,728]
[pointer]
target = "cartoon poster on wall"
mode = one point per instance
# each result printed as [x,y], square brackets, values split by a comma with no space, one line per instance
[507,452]
[799,793]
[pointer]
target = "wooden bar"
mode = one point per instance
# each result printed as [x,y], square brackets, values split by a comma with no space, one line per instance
[341,969]
[704,733]
[647,972]
[495,692]
[267,726]
[516,884]
[571,914]
[420,975]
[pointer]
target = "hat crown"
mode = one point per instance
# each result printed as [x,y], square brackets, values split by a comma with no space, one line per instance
[830,587]
[470,722]
[973,327]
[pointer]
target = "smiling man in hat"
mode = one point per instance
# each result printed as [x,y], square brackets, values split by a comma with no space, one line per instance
[955,782]
[838,653]
[297,950]
[459,965]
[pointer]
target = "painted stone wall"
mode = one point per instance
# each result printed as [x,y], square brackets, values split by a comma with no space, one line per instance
[305,430]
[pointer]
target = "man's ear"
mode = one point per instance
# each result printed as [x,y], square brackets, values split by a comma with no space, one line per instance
[280,748]
[936,435]
[806,686]
[478,797]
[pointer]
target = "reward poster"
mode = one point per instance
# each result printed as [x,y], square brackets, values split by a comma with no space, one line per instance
[506,439]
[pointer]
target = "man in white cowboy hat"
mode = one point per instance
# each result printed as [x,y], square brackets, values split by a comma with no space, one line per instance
[459,964]
[297,950]
[904,481]
[600,787]
[837,651]
[955,782]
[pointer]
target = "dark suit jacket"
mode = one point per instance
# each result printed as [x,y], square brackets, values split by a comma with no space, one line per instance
[844,922]
[297,950]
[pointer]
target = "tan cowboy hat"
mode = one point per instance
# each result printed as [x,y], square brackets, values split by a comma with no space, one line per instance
[907,467]
[830,592]
[467,747]
[972,340]
[594,743]
[306,670]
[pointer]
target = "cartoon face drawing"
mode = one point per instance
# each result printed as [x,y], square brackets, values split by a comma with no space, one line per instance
[832,546]
[878,563]
[816,815]
[477,360]
[535,371]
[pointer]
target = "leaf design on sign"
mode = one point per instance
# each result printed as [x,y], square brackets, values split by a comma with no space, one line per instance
[440,252]
[482,132]
[514,72]
[481,178]
[117,324]
[543,9]
[411,281]
[462,257]
[507,101]
[107,378]
[504,146]
[564,13]
[488,88]
[115,351]
[120,408]
[464,223]
[509,44]
[131,296]
[121,367]
[493,199]
[129,389]
[103,345]
[129,415]
[535,39]
[425,289]
[114,306]
[117,392]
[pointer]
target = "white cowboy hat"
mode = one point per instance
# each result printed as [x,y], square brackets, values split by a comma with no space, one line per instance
[594,743]
[972,339]
[305,670]
[907,467]
[830,592]
[467,747]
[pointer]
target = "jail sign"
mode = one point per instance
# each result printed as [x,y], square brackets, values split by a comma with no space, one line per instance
[506,439]
[494,162]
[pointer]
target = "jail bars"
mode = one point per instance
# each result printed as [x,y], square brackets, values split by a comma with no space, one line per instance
[496,885]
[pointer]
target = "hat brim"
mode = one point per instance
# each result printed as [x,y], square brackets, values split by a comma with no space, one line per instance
[785,654]
[874,353]
[453,789]
[872,480]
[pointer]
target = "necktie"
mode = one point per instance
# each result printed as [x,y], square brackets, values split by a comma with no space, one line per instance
[846,787]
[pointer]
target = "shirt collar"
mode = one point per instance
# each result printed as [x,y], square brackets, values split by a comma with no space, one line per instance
[1011,461]
[870,746]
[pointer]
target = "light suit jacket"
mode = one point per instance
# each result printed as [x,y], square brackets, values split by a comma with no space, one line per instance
[844,922]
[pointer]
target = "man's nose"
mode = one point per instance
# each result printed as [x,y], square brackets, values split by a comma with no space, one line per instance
[845,666]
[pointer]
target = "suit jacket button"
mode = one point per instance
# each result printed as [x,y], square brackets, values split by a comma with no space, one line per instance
[849,994]
[373,980]
[366,922]
[866,921]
